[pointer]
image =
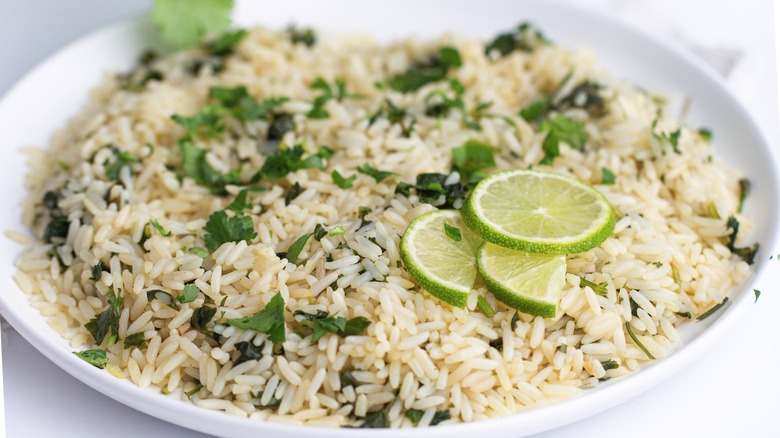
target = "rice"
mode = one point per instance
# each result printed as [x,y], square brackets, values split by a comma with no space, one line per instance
[669,258]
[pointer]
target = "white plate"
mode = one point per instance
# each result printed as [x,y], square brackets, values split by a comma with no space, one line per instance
[62,83]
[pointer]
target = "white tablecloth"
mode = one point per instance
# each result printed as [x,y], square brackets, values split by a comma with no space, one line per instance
[730,391]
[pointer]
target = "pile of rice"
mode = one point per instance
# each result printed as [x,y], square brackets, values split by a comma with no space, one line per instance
[666,261]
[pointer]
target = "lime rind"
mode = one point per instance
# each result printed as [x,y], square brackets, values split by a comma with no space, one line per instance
[530,283]
[444,267]
[502,227]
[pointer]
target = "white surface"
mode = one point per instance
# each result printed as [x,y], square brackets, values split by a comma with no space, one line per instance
[704,399]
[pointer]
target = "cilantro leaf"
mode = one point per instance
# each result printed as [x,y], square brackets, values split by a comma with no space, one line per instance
[135,340]
[607,177]
[195,166]
[342,182]
[96,357]
[378,175]
[562,129]
[97,271]
[222,228]
[421,73]
[224,44]
[328,325]
[322,323]
[336,91]
[202,316]
[289,160]
[415,415]
[757,293]
[200,252]
[183,22]
[319,232]
[472,157]
[452,232]
[205,123]
[450,56]
[240,203]
[270,320]
[107,322]
[189,294]
[535,111]
[338,230]
[242,105]
[484,307]
[432,188]
[247,351]
[160,228]
[305,36]
[744,191]
[526,38]
[122,159]
[295,249]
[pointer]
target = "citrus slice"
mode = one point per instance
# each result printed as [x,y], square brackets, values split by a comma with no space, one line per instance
[530,283]
[539,212]
[440,253]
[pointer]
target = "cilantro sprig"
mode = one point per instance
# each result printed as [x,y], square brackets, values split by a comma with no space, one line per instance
[183,22]
[270,320]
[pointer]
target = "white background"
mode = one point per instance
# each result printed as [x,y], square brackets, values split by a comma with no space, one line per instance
[730,391]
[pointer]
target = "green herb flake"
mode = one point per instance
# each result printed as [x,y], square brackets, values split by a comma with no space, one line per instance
[378,175]
[319,232]
[194,390]
[198,251]
[107,322]
[452,232]
[526,38]
[135,340]
[189,294]
[424,72]
[610,365]
[201,317]
[222,228]
[295,249]
[161,296]
[240,104]
[338,230]
[607,177]
[159,228]
[57,227]
[182,23]
[705,134]
[376,420]
[225,43]
[96,357]
[599,289]
[305,36]
[240,203]
[270,320]
[471,157]
[288,160]
[562,129]
[712,310]
[247,351]
[414,415]
[121,159]
[637,342]
[195,166]
[450,56]
[341,181]
[484,307]
[744,191]
[205,123]
[757,293]
[535,111]
[440,416]
[97,271]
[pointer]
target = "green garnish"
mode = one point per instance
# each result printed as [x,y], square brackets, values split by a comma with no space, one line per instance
[422,73]
[378,175]
[305,36]
[636,341]
[341,326]
[135,340]
[432,188]
[671,138]
[97,271]
[57,227]
[705,134]
[96,357]
[562,129]
[195,166]
[194,390]
[341,181]
[159,228]
[182,23]
[240,203]
[290,160]
[329,92]
[744,191]
[484,307]
[610,365]
[599,289]
[222,228]
[319,232]
[757,293]
[414,415]
[452,232]
[248,351]
[241,105]
[201,317]
[270,320]
[122,159]
[607,177]
[712,310]
[205,123]
[189,294]
[375,420]
[525,38]
[336,231]
[107,322]
[224,44]
[198,251]
[471,157]
[295,249]
[535,111]
[163,297]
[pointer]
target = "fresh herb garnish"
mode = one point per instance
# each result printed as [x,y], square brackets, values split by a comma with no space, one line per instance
[744,191]
[562,129]
[712,310]
[347,379]
[95,357]
[471,157]
[159,228]
[121,159]
[452,232]
[375,420]
[240,104]
[757,293]
[535,111]
[161,296]
[189,294]
[290,160]
[97,271]
[135,340]
[434,69]
[205,123]
[295,249]
[293,193]
[671,138]
[414,415]
[319,232]
[57,227]
[198,251]
[607,177]
[432,188]
[247,351]
[705,134]
[748,253]
[636,341]
[341,181]
[395,115]
[195,166]
[107,322]
[222,228]
[526,38]
[305,36]
[281,123]
[329,92]
[338,230]
[240,203]
[194,390]
[201,317]
[270,320]
[378,175]
[599,289]
[323,323]
[183,22]
[484,307]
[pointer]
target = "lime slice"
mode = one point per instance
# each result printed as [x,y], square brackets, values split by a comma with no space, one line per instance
[539,212]
[530,283]
[443,265]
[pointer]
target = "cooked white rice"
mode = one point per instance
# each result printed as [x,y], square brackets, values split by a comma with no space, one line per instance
[666,257]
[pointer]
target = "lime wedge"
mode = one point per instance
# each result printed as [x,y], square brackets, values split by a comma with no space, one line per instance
[539,212]
[530,283]
[439,251]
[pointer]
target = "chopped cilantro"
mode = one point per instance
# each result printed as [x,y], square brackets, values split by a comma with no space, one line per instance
[422,73]
[201,317]
[161,296]
[319,232]
[748,253]
[450,56]
[195,166]
[671,138]
[135,340]
[183,22]
[336,231]
[637,342]
[712,310]
[189,294]
[240,203]
[440,416]
[289,160]
[757,293]
[241,105]
[121,159]
[562,129]
[205,123]
[375,420]
[247,351]
[452,232]
[222,228]
[705,134]
[414,415]
[484,307]
[194,390]
[295,249]
[526,38]
[97,271]
[160,228]
[198,251]
[535,111]
[744,191]
[96,357]
[348,379]
[305,36]
[607,177]
[224,44]
[107,322]
[341,181]
[599,289]
[281,123]
[471,157]
[610,365]
[732,224]
[432,189]
[329,92]
[323,323]
[57,227]
[378,175]
[270,320]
